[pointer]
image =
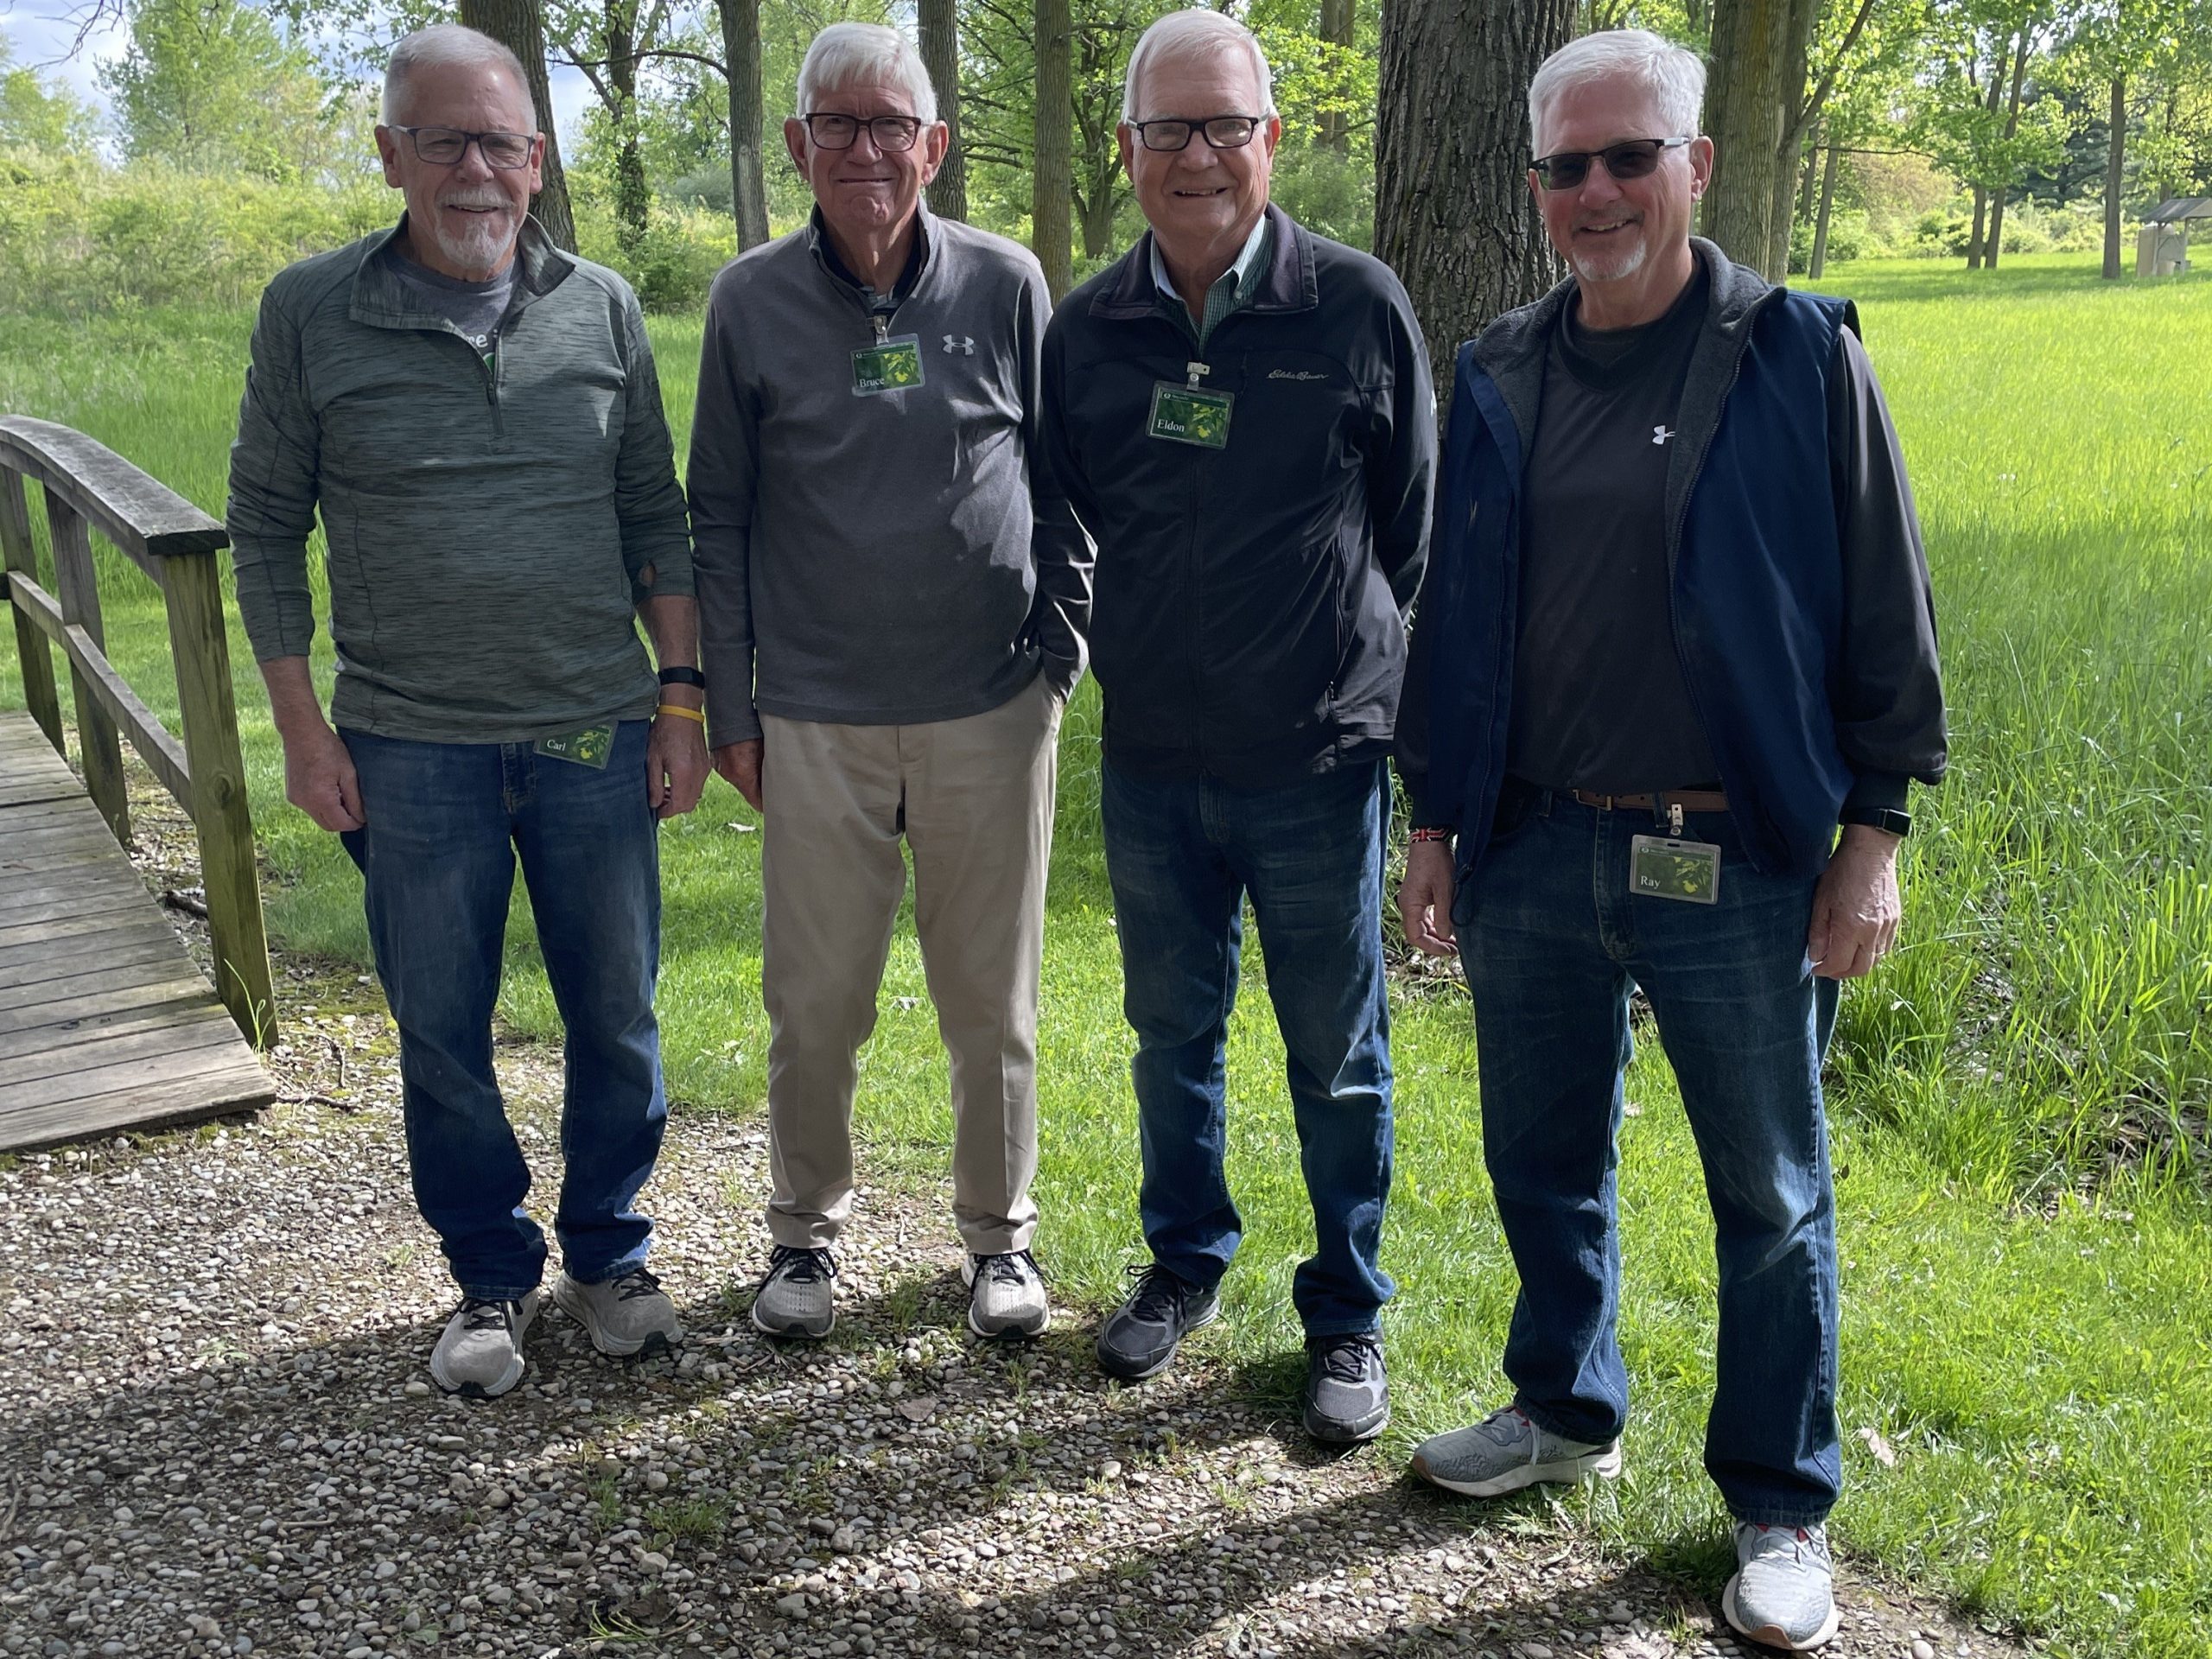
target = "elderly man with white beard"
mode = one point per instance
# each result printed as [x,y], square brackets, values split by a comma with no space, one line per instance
[476,416]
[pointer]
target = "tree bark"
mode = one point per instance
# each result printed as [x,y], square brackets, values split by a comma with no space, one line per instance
[749,187]
[1744,106]
[632,196]
[517,25]
[2011,128]
[2115,176]
[1974,237]
[1052,185]
[1452,206]
[1789,154]
[939,23]
[1337,24]
[1818,263]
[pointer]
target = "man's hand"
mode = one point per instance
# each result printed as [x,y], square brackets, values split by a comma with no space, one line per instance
[319,777]
[1855,907]
[675,765]
[1424,897]
[740,764]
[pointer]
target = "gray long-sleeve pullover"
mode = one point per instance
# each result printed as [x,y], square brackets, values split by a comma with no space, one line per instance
[490,520]
[882,558]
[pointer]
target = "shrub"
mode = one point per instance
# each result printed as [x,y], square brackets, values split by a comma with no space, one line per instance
[674,263]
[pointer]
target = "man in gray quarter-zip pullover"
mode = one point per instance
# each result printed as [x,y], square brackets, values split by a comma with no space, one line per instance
[892,596]
[475,416]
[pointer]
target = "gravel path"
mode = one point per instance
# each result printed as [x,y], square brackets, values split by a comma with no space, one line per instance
[217,1436]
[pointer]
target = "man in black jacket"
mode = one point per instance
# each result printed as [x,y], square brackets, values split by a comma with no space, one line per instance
[1240,413]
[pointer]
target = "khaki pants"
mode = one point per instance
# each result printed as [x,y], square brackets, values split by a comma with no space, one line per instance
[974,799]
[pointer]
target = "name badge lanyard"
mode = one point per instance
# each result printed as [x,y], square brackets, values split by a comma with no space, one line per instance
[1189,413]
[893,362]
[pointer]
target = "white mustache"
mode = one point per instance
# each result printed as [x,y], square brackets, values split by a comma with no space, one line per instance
[473,199]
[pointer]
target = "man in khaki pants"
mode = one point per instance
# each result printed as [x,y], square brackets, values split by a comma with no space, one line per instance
[892,597]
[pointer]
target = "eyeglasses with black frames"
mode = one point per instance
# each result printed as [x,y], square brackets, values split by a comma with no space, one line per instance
[1221,132]
[890,133]
[1632,158]
[445,146]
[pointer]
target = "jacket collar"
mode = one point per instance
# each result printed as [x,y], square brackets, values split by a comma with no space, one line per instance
[826,259]
[383,301]
[1287,285]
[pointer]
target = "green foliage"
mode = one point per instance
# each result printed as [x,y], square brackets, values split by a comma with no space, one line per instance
[36,114]
[673,264]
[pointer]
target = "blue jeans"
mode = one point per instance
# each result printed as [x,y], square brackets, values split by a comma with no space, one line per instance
[1551,938]
[1181,856]
[444,823]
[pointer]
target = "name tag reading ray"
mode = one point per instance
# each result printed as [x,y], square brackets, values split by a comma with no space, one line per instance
[1186,415]
[1660,867]
[893,364]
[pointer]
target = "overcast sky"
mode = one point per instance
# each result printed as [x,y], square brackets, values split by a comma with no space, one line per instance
[43,32]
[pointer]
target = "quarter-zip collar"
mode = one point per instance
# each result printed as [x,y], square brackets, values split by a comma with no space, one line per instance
[1287,284]
[909,279]
[381,300]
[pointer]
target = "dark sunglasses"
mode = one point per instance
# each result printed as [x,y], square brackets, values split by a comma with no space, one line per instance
[1221,132]
[1632,158]
[444,146]
[843,132]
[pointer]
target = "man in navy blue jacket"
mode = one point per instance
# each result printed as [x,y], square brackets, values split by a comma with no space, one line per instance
[1676,630]
[1240,412]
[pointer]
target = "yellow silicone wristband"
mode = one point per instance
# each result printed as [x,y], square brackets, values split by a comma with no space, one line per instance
[688,714]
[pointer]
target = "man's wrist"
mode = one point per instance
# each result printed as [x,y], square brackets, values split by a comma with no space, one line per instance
[1866,837]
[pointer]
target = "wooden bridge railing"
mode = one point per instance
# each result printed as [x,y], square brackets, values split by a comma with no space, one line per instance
[88,486]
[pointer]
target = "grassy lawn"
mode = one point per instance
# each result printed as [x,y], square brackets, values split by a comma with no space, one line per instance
[2020,1096]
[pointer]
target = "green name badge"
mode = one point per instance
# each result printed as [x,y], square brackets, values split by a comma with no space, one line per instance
[894,365]
[589,747]
[1186,415]
[1687,870]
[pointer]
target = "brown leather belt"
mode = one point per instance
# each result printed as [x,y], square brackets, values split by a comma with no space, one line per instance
[1690,800]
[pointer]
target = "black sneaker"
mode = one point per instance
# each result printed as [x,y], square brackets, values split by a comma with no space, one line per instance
[1139,1338]
[1347,1395]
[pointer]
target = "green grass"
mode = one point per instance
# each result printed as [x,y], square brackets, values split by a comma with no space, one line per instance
[2021,1095]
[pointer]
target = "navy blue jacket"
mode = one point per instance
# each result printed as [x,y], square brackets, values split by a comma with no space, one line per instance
[1808,639]
[1249,603]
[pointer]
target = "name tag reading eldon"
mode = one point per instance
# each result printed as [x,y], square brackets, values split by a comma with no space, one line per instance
[1660,867]
[893,364]
[1186,415]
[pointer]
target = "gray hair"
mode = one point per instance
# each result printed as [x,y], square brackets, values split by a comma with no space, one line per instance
[1193,32]
[865,54]
[1673,75]
[444,43]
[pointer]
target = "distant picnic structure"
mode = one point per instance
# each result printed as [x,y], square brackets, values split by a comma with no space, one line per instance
[105,1022]
[2162,245]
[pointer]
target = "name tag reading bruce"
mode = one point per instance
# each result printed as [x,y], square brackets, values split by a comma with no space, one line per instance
[1186,415]
[1660,867]
[589,747]
[893,364]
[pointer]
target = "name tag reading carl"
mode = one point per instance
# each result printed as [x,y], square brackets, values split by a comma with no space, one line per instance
[893,364]
[589,747]
[1188,415]
[1660,867]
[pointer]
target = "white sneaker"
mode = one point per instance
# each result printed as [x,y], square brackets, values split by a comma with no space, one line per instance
[1783,1593]
[480,1354]
[1006,1295]
[1505,1452]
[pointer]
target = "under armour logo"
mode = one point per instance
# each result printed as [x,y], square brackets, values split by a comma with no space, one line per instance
[1660,433]
[963,343]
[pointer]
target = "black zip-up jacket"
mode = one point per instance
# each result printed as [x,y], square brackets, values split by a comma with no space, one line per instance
[1249,603]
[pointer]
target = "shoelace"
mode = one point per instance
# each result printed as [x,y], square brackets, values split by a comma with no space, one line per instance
[482,1313]
[1158,1296]
[1343,1359]
[1507,1425]
[1008,1269]
[638,1281]
[806,1265]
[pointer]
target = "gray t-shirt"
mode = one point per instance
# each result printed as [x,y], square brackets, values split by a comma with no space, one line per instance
[1598,698]
[475,308]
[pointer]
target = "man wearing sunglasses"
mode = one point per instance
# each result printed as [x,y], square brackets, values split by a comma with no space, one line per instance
[892,598]
[1677,631]
[1241,412]
[476,416]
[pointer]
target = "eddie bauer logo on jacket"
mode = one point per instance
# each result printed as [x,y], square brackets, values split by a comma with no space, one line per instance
[1294,374]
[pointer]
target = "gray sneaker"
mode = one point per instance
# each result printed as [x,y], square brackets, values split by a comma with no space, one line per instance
[628,1315]
[480,1354]
[795,1299]
[1506,1452]
[1006,1295]
[1347,1392]
[1783,1593]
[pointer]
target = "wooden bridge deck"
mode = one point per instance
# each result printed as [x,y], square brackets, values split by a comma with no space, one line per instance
[105,1022]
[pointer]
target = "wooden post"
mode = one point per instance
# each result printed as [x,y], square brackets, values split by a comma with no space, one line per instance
[190,585]
[32,651]
[78,590]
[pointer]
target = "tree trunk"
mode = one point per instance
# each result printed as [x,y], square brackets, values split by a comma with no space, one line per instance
[632,196]
[517,25]
[1051,184]
[1790,154]
[1818,263]
[2011,128]
[1743,115]
[1452,206]
[939,21]
[2115,171]
[748,187]
[1974,237]
[1337,27]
